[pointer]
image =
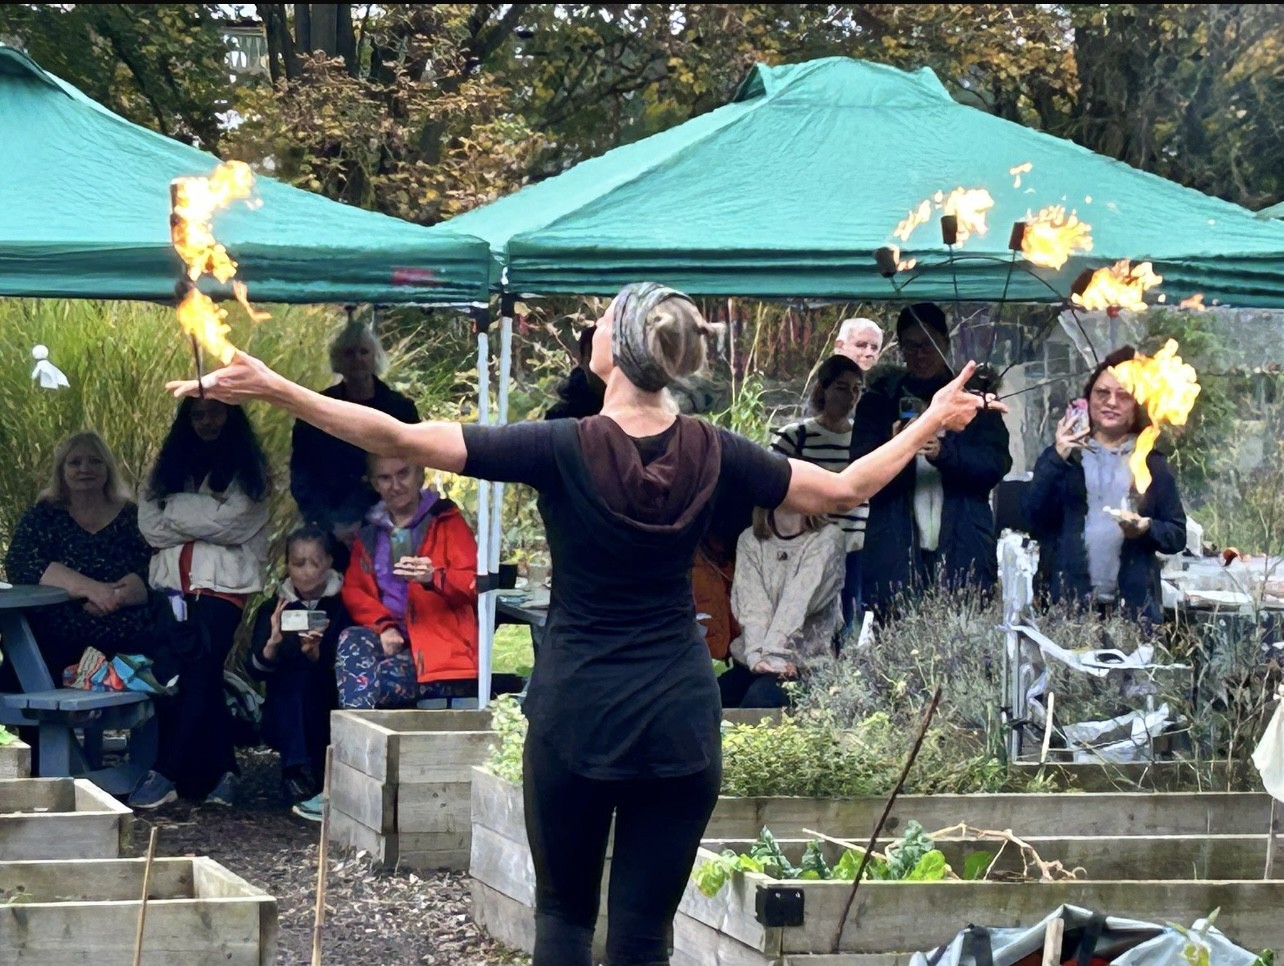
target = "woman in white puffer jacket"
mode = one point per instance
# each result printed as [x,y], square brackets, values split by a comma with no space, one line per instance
[205,513]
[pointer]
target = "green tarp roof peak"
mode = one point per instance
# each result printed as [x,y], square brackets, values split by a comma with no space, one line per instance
[85,196]
[788,190]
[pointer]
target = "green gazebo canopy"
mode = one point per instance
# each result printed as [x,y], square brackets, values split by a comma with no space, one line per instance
[790,189]
[85,201]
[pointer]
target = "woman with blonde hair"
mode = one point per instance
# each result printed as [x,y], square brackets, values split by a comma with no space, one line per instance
[623,708]
[82,536]
[327,474]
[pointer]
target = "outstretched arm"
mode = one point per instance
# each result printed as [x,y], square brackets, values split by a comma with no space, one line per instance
[814,490]
[435,445]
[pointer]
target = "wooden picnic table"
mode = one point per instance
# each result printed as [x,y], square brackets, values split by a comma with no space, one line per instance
[60,713]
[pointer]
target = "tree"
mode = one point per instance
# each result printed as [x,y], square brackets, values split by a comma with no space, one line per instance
[159,64]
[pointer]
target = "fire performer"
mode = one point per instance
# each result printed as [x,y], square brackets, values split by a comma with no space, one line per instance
[623,706]
[1098,550]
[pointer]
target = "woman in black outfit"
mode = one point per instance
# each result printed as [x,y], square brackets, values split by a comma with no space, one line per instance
[623,706]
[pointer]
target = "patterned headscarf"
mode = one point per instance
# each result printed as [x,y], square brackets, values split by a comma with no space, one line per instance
[634,307]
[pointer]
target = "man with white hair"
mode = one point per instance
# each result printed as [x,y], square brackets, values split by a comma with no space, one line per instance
[861,341]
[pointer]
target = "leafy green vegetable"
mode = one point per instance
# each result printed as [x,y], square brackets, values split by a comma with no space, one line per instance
[932,867]
[911,859]
[6,737]
[904,856]
[975,866]
[767,851]
[814,865]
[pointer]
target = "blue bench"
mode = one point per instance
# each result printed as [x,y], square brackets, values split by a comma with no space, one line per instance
[70,722]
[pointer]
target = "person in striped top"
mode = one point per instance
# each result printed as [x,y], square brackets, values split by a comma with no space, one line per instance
[824,438]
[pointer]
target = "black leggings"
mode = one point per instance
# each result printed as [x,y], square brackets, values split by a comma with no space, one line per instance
[658,826]
[196,747]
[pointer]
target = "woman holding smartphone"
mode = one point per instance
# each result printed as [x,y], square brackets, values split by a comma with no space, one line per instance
[623,705]
[1098,538]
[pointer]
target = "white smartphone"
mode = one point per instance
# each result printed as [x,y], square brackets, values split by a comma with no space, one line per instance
[303,621]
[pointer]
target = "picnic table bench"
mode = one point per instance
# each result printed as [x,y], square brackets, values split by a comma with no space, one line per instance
[59,714]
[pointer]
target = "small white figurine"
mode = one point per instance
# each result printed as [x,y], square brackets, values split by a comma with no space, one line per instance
[46,373]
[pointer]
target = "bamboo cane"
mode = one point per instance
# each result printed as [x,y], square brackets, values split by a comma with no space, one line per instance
[887,810]
[142,906]
[319,921]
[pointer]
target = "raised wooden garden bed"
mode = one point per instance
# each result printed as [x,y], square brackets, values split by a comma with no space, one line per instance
[400,784]
[1179,836]
[198,914]
[15,761]
[1155,879]
[60,818]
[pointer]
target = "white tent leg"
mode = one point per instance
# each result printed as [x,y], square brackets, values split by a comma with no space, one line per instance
[485,621]
[497,497]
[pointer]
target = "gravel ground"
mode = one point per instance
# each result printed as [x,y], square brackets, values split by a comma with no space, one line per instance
[372,918]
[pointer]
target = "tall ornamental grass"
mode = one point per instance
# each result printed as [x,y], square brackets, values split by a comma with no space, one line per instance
[117,357]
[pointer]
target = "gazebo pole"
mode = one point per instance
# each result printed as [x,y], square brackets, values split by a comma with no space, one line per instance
[485,626]
[484,661]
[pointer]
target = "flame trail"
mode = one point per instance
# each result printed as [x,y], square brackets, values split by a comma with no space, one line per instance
[1166,386]
[1122,285]
[193,203]
[1052,236]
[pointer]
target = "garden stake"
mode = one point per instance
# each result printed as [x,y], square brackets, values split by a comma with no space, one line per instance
[887,810]
[319,921]
[1047,729]
[1052,942]
[142,906]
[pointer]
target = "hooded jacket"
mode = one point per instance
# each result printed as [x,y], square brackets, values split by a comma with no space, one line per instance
[289,655]
[440,622]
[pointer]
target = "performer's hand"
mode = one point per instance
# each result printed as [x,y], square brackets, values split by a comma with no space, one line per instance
[243,379]
[953,407]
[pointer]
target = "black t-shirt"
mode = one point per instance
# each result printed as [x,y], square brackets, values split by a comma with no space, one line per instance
[623,686]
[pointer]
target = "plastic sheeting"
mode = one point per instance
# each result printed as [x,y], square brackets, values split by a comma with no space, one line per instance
[1122,942]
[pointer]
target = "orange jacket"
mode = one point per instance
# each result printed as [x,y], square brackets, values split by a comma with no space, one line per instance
[441,619]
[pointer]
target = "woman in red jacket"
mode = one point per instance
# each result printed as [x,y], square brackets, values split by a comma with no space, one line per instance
[411,589]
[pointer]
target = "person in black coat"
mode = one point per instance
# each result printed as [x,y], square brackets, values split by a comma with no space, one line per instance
[298,666]
[580,394]
[327,475]
[933,521]
[1089,551]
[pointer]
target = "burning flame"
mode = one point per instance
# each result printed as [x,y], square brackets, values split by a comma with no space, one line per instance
[193,203]
[1052,235]
[967,205]
[918,216]
[204,321]
[1195,302]
[1167,387]
[1122,285]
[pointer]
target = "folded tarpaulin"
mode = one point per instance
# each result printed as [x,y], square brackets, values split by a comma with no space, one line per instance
[1089,938]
